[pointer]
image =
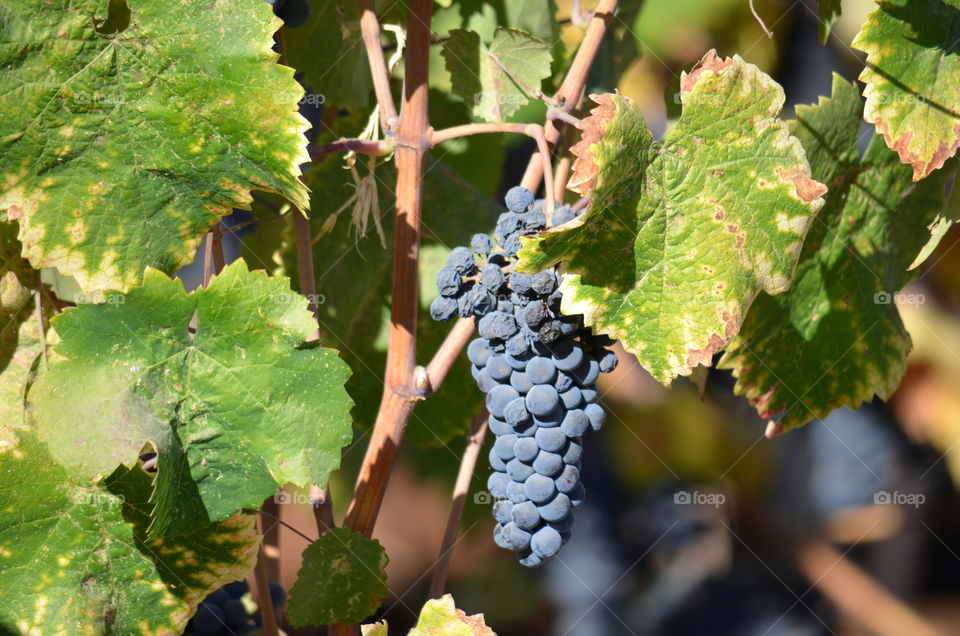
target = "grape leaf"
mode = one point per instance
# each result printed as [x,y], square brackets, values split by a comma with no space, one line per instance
[353,282]
[680,236]
[912,91]
[329,50]
[76,558]
[17,279]
[342,580]
[120,150]
[942,223]
[17,369]
[836,338]
[828,12]
[235,409]
[441,616]
[482,83]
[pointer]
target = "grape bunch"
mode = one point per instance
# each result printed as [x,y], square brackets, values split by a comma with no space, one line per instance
[538,369]
[224,612]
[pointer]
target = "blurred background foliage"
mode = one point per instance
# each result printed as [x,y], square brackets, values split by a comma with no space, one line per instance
[803,541]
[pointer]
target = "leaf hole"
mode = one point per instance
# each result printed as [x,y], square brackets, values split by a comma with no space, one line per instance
[117,20]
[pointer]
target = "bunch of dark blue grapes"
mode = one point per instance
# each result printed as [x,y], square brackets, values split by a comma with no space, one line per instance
[539,370]
[223,613]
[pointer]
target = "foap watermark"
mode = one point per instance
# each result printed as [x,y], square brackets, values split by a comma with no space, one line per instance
[99,298]
[287,297]
[483,498]
[899,298]
[95,497]
[501,99]
[697,498]
[296,498]
[898,498]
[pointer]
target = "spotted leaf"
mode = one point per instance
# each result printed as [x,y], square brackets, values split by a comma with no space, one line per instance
[836,338]
[441,616]
[680,236]
[235,407]
[911,76]
[125,137]
[75,558]
[342,580]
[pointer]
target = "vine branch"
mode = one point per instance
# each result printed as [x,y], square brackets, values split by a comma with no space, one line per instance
[370,31]
[372,147]
[399,395]
[461,488]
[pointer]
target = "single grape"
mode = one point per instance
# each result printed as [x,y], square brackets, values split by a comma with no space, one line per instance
[498,368]
[518,471]
[499,426]
[460,259]
[517,345]
[484,381]
[558,508]
[521,283]
[596,414]
[482,300]
[575,423]
[530,559]
[526,449]
[546,542]
[534,314]
[515,491]
[520,381]
[497,484]
[567,356]
[502,510]
[568,479]
[589,394]
[526,515]
[491,277]
[563,382]
[544,282]
[607,361]
[503,446]
[571,398]
[518,199]
[518,362]
[209,620]
[573,452]
[478,351]
[481,244]
[563,214]
[235,613]
[549,464]
[515,412]
[443,308]
[495,462]
[542,399]
[539,488]
[449,282]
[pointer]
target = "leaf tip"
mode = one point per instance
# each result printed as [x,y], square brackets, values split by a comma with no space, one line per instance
[585,166]
[709,62]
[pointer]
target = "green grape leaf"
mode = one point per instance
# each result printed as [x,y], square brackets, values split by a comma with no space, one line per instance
[120,150]
[374,629]
[536,17]
[353,284]
[836,338]
[342,580]
[441,616]
[681,236]
[477,70]
[911,76]
[75,557]
[235,409]
[828,12]
[329,50]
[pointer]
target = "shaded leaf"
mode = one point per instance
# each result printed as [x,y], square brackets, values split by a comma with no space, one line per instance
[120,151]
[912,90]
[481,81]
[76,558]
[329,50]
[342,580]
[441,616]
[836,338]
[681,236]
[234,410]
